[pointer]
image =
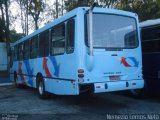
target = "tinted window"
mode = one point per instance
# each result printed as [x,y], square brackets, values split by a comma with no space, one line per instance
[113,31]
[70,36]
[26,50]
[151,33]
[20,51]
[151,39]
[11,58]
[58,40]
[16,52]
[33,47]
[151,46]
[44,44]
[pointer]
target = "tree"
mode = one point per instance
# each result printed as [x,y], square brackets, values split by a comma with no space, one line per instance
[108,3]
[35,7]
[24,15]
[146,9]
[14,36]
[5,20]
[4,4]
[2,31]
[71,4]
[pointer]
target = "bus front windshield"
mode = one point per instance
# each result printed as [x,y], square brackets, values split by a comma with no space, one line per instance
[114,31]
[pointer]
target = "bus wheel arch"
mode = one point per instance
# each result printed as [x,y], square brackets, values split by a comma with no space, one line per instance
[41,86]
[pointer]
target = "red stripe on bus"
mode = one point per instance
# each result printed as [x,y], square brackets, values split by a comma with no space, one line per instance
[45,67]
[21,73]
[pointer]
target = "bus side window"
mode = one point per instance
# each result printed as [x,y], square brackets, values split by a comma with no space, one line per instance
[15,52]
[26,50]
[58,40]
[44,44]
[20,51]
[150,40]
[11,58]
[33,47]
[70,36]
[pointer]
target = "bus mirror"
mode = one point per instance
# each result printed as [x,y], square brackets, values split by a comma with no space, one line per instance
[94,4]
[90,29]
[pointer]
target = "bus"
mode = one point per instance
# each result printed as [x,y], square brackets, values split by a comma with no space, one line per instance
[150,31]
[88,50]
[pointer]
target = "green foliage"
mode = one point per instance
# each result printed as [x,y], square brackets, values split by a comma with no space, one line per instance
[14,36]
[146,9]
[2,31]
[71,4]
[35,8]
[108,3]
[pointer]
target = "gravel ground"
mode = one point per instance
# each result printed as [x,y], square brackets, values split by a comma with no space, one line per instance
[24,104]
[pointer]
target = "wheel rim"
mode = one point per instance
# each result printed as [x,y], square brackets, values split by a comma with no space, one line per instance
[40,88]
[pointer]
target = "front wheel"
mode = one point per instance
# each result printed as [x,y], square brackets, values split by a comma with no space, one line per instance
[41,89]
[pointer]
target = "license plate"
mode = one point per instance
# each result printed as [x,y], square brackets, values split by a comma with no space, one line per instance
[114,77]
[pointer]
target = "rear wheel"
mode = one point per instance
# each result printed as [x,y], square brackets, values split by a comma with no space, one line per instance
[41,88]
[139,93]
[16,81]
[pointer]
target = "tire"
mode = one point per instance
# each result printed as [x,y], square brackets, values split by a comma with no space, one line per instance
[41,89]
[16,81]
[139,93]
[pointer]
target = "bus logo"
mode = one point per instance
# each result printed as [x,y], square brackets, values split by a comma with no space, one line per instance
[129,62]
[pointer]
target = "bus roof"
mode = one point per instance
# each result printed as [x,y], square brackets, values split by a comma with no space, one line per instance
[150,23]
[72,14]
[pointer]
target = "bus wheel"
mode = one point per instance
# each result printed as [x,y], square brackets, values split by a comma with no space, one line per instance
[16,81]
[136,92]
[140,93]
[41,89]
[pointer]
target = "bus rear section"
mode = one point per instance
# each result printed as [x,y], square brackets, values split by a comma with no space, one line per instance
[116,62]
[102,54]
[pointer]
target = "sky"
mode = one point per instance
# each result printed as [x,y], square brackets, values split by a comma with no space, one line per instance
[15,11]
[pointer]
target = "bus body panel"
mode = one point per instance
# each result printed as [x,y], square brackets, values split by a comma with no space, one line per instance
[151,72]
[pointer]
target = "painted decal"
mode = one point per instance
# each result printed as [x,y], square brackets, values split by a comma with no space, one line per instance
[45,67]
[21,73]
[29,71]
[55,65]
[124,62]
[136,63]
[129,62]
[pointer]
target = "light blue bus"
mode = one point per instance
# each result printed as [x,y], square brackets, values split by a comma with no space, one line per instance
[88,50]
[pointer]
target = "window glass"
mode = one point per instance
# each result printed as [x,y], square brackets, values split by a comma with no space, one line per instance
[58,39]
[20,51]
[70,36]
[33,47]
[15,52]
[151,46]
[151,39]
[151,33]
[44,44]
[26,50]
[11,57]
[113,31]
